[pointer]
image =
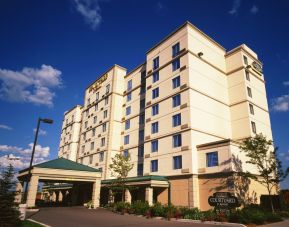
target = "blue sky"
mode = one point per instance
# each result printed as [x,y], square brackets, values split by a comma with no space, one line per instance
[51,50]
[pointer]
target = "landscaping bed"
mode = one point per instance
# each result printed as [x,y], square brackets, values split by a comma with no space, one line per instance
[250,215]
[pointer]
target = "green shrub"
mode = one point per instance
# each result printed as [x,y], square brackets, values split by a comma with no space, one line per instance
[237,217]
[270,217]
[169,211]
[209,215]
[257,217]
[284,214]
[122,206]
[139,207]
[158,210]
[193,213]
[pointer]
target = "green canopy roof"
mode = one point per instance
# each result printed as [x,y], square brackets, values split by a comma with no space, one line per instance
[62,163]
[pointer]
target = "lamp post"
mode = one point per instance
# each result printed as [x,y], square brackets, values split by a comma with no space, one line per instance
[44,120]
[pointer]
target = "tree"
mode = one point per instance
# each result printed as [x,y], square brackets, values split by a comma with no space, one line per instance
[263,155]
[120,168]
[9,215]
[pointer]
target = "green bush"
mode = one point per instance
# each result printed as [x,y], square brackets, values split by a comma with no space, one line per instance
[270,217]
[122,206]
[237,217]
[170,211]
[158,210]
[209,215]
[139,207]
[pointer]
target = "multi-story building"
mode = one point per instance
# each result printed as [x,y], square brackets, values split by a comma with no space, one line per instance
[180,115]
[69,140]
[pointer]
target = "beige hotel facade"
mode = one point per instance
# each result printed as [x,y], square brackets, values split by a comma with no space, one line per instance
[181,116]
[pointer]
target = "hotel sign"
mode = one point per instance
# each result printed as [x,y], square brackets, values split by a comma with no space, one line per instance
[98,83]
[257,67]
[223,200]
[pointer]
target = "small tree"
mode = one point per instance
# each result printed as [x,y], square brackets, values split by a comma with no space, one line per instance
[120,168]
[9,215]
[263,156]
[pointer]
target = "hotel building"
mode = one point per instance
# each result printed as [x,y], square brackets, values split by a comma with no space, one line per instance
[181,116]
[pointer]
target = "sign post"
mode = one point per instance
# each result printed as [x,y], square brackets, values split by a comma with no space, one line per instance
[223,202]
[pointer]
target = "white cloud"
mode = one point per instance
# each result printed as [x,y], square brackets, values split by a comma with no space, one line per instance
[20,157]
[235,7]
[254,9]
[281,104]
[286,83]
[41,132]
[5,127]
[90,10]
[31,85]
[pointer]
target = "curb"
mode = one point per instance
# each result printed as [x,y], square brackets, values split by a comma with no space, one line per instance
[40,223]
[211,222]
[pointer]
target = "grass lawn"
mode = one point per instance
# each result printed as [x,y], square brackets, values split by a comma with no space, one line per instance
[28,223]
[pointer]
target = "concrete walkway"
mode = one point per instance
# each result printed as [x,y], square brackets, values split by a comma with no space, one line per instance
[278,224]
[80,216]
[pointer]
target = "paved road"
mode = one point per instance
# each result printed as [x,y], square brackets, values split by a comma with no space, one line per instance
[79,216]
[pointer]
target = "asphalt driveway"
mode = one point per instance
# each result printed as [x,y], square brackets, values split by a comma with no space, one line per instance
[80,216]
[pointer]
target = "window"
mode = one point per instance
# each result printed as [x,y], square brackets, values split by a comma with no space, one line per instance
[82,148]
[66,121]
[177,120]
[84,136]
[81,160]
[176,82]
[94,119]
[86,112]
[125,153]
[155,76]
[155,127]
[156,63]
[90,159]
[247,75]
[141,135]
[155,109]
[101,156]
[69,137]
[140,169]
[128,110]
[96,107]
[72,118]
[129,85]
[212,159]
[154,165]
[126,139]
[106,101]
[97,96]
[253,125]
[177,162]
[176,64]
[142,89]
[88,101]
[102,142]
[176,49]
[140,151]
[177,140]
[245,60]
[91,145]
[104,127]
[85,124]
[127,124]
[128,97]
[105,114]
[141,119]
[155,93]
[249,91]
[107,88]
[155,145]
[176,100]
[251,109]
[93,132]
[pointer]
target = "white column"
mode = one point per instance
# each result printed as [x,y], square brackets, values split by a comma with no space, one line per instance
[32,191]
[110,196]
[149,195]
[96,194]
[127,196]
[54,196]
[60,196]
[19,190]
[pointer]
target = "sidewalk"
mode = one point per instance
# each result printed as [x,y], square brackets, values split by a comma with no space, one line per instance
[277,224]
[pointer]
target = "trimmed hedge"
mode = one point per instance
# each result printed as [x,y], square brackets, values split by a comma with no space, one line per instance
[248,215]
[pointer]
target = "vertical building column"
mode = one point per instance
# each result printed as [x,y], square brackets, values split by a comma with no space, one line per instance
[96,194]
[60,196]
[149,195]
[53,196]
[110,196]
[194,191]
[32,191]
[19,190]
[127,196]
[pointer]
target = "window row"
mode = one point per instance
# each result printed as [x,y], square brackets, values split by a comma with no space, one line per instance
[107,90]
[176,161]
